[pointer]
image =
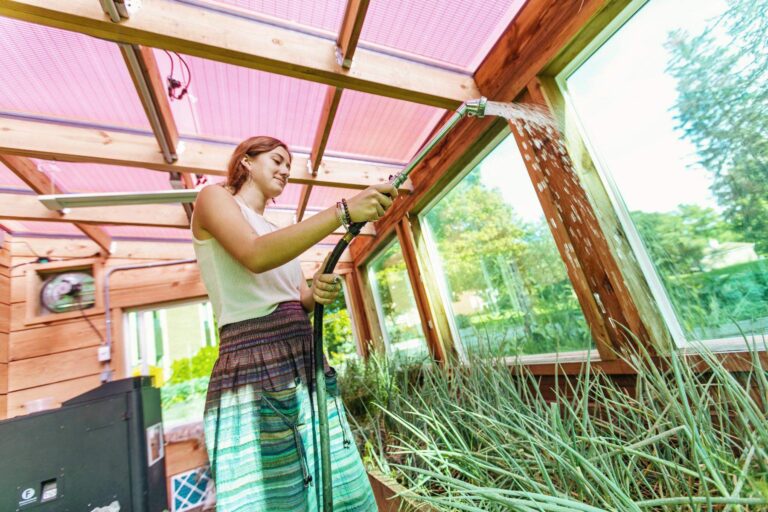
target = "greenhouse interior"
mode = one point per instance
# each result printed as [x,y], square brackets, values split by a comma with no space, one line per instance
[564,306]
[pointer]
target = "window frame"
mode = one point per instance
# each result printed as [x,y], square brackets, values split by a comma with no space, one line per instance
[581,356]
[431,243]
[645,263]
[141,335]
[376,295]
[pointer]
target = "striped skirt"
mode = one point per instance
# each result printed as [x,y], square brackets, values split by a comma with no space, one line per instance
[258,422]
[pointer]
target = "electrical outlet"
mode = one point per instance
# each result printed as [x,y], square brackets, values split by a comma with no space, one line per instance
[104,353]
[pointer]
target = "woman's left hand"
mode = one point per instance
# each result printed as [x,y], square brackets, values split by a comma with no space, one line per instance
[325,287]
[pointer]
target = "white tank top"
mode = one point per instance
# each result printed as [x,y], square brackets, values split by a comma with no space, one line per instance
[235,292]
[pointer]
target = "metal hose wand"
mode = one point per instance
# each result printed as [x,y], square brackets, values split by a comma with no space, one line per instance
[475,108]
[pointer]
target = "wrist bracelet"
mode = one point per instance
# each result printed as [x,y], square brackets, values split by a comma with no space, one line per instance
[340,215]
[346,211]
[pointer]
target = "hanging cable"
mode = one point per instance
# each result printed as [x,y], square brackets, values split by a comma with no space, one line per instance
[173,83]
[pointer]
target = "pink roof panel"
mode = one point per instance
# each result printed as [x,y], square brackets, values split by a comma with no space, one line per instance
[51,72]
[148,232]
[47,228]
[452,33]
[86,177]
[324,16]
[375,128]
[8,179]
[232,103]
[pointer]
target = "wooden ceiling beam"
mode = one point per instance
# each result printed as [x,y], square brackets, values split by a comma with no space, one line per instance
[346,44]
[217,36]
[324,125]
[27,170]
[539,32]
[146,77]
[72,144]
[351,27]
[27,207]
[32,247]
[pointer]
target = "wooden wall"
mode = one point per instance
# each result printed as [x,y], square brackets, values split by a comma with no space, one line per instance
[5,315]
[57,359]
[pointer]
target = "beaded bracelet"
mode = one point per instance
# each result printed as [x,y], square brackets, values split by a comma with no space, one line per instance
[346,211]
[340,215]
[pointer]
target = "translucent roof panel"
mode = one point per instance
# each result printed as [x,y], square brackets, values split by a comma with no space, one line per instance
[323,16]
[82,177]
[142,232]
[376,128]
[9,180]
[232,103]
[454,33]
[51,72]
[325,197]
[46,228]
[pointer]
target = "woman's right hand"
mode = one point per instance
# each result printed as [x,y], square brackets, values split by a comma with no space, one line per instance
[370,204]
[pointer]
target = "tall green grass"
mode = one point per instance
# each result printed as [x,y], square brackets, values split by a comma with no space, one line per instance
[483,437]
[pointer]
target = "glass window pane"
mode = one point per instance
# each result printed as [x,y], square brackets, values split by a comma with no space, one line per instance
[675,105]
[508,288]
[396,305]
[181,348]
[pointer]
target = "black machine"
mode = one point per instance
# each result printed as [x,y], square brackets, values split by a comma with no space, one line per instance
[102,451]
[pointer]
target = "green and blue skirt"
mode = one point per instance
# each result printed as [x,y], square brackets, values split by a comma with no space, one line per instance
[259,416]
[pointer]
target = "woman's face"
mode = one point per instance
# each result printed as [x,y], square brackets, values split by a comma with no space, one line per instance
[270,171]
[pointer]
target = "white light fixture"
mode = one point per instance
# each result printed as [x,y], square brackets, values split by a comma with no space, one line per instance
[62,201]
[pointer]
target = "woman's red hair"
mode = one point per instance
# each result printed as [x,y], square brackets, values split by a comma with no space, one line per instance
[237,173]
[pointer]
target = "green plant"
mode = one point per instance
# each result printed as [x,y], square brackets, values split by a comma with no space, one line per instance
[199,365]
[484,437]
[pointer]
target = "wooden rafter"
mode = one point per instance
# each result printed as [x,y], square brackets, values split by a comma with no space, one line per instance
[146,77]
[28,207]
[537,35]
[26,169]
[148,82]
[408,248]
[330,105]
[73,248]
[71,144]
[351,27]
[212,35]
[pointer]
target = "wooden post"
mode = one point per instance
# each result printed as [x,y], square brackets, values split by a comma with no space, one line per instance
[595,274]
[357,311]
[428,325]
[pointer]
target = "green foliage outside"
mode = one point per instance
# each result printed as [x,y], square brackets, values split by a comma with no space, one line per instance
[338,338]
[199,365]
[710,303]
[183,395]
[512,266]
[722,108]
[397,302]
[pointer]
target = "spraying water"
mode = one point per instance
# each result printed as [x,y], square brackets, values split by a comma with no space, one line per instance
[517,112]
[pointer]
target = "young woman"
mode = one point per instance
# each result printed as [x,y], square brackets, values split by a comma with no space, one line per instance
[258,418]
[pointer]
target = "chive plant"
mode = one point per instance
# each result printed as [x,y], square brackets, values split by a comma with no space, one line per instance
[483,437]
